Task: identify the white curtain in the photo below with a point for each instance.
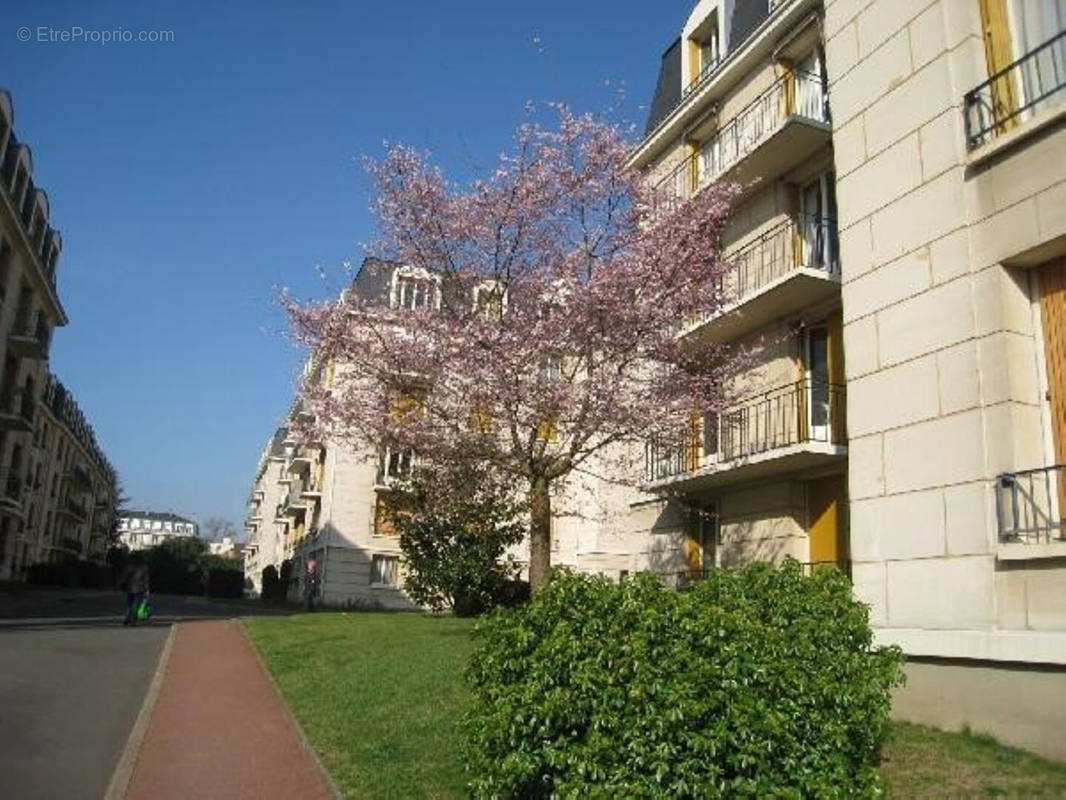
(1042, 76)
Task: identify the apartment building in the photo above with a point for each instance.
(139, 529)
(899, 252)
(57, 489)
(263, 527)
(743, 97)
(70, 488)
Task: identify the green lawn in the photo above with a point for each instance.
(924, 762)
(379, 696)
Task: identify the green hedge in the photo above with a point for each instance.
(753, 683)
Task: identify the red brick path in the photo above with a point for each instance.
(219, 730)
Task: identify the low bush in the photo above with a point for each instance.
(227, 583)
(272, 589)
(753, 683)
(456, 524)
(81, 574)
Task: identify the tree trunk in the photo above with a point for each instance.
(540, 514)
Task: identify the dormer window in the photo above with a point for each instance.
(704, 49)
(413, 293)
(490, 299)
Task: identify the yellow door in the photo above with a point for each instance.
(996, 32)
(1053, 314)
(827, 518)
(838, 429)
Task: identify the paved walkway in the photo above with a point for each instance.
(218, 728)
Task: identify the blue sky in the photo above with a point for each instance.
(191, 179)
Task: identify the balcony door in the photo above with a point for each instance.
(1052, 278)
(817, 380)
(810, 88)
(701, 540)
(818, 209)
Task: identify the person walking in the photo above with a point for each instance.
(310, 584)
(135, 582)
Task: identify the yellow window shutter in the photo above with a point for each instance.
(996, 32)
(548, 431)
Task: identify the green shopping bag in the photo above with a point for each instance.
(144, 610)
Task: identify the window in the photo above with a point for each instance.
(490, 299)
(413, 292)
(384, 570)
(395, 465)
(384, 506)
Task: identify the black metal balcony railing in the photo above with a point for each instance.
(705, 75)
(1031, 83)
(18, 403)
(1030, 505)
(800, 413)
(75, 509)
(807, 242)
(10, 485)
(799, 94)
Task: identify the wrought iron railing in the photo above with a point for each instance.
(807, 241)
(1030, 505)
(801, 94)
(10, 485)
(800, 413)
(19, 403)
(1034, 81)
(705, 75)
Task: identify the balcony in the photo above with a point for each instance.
(1020, 91)
(11, 489)
(81, 476)
(393, 467)
(793, 265)
(777, 131)
(74, 510)
(29, 337)
(300, 463)
(1030, 506)
(795, 427)
(17, 410)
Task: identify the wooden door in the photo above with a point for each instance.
(1053, 313)
(837, 426)
(827, 519)
(998, 53)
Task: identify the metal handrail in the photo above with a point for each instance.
(990, 108)
(704, 78)
(1031, 504)
(799, 93)
(799, 413)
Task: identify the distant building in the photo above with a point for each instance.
(140, 529)
(227, 547)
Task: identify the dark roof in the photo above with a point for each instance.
(747, 16)
(374, 279)
(668, 88)
(277, 444)
(162, 516)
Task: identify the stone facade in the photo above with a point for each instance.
(57, 489)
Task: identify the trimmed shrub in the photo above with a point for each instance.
(753, 683)
(271, 584)
(456, 524)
